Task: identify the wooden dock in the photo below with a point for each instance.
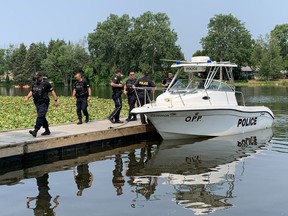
(20, 142)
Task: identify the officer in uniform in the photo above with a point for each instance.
(142, 93)
(166, 82)
(130, 92)
(82, 91)
(40, 92)
(117, 88)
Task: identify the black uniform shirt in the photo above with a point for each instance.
(81, 88)
(129, 86)
(167, 81)
(116, 80)
(144, 82)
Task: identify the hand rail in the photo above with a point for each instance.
(180, 92)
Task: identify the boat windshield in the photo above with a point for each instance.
(189, 84)
(185, 84)
(202, 73)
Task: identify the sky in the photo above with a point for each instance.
(33, 21)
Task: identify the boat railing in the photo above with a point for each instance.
(146, 93)
(150, 93)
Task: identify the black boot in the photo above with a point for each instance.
(79, 122)
(34, 132)
(46, 132)
(87, 119)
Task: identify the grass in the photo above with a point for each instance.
(280, 82)
(15, 114)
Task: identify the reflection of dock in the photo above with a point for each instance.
(59, 161)
(20, 142)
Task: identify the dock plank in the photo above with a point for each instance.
(18, 142)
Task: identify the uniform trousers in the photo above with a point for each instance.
(131, 101)
(81, 106)
(41, 120)
(117, 98)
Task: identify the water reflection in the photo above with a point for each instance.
(43, 204)
(202, 172)
(99, 91)
(83, 178)
(118, 179)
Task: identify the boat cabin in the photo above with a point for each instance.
(205, 81)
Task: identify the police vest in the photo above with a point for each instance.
(39, 93)
(81, 89)
(129, 86)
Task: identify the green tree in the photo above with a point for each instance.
(35, 55)
(3, 64)
(266, 58)
(132, 44)
(17, 64)
(280, 35)
(199, 53)
(64, 60)
(109, 45)
(152, 40)
(227, 40)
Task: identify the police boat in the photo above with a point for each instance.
(204, 103)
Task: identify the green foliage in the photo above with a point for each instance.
(280, 35)
(153, 40)
(199, 53)
(108, 45)
(2, 61)
(266, 58)
(132, 44)
(34, 56)
(63, 60)
(17, 63)
(14, 113)
(227, 40)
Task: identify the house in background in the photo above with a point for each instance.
(7, 76)
(247, 72)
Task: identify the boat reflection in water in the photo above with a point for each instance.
(202, 172)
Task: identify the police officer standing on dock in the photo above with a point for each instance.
(142, 83)
(130, 92)
(40, 92)
(82, 91)
(117, 88)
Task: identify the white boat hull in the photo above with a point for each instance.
(217, 121)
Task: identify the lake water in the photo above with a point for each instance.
(102, 91)
(238, 175)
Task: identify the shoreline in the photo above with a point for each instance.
(276, 83)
